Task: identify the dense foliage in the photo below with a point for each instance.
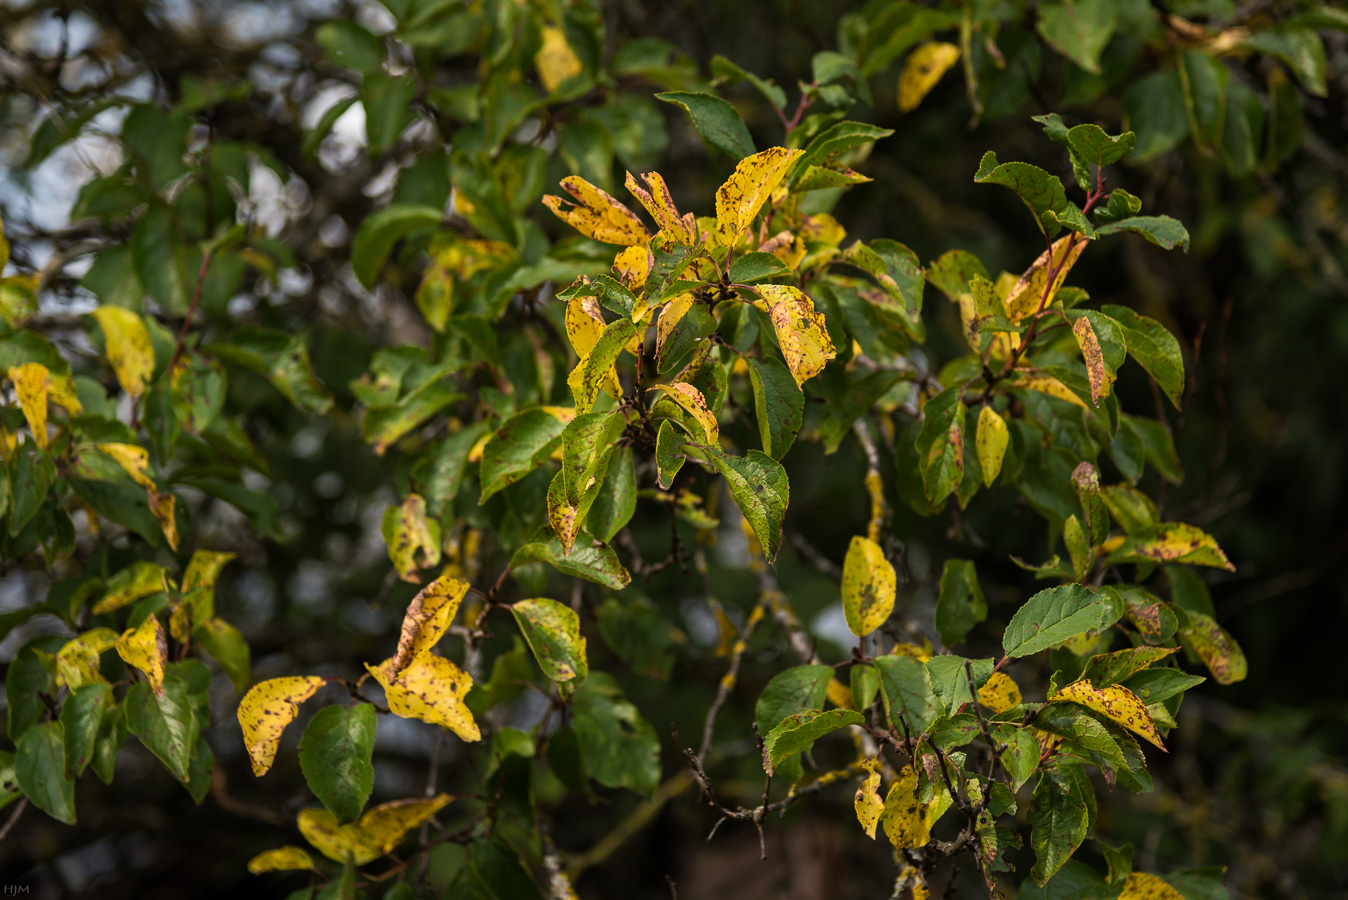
(459, 438)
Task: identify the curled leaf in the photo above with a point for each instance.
(427, 618)
(282, 859)
(146, 648)
(431, 688)
(868, 804)
(30, 387)
(660, 204)
(1116, 703)
(922, 69)
(266, 710)
(408, 531)
(597, 214)
(128, 347)
(748, 188)
(375, 834)
(806, 345)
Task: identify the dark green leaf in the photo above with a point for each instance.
(907, 692)
(668, 453)
(40, 766)
(1051, 617)
(940, 444)
(1040, 191)
(759, 487)
(521, 444)
(1058, 820)
(791, 691)
(800, 730)
(619, 747)
(166, 724)
(81, 715)
(778, 404)
(960, 605)
(716, 120)
(753, 267)
(335, 755)
(380, 230)
(1079, 29)
(588, 559)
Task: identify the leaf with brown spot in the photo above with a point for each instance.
(408, 531)
(1173, 542)
(660, 204)
(77, 660)
(922, 69)
(162, 506)
(431, 689)
(1028, 293)
(1116, 703)
(690, 399)
(1215, 646)
(1145, 886)
(140, 579)
(999, 693)
(869, 586)
(904, 818)
(991, 440)
(30, 387)
(805, 342)
(595, 369)
(1032, 380)
(1100, 377)
(133, 459)
(128, 347)
(631, 266)
(266, 710)
(146, 648)
(868, 804)
(282, 859)
(427, 618)
(748, 188)
(552, 630)
(597, 214)
(202, 571)
(375, 834)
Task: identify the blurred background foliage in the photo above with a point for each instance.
(319, 112)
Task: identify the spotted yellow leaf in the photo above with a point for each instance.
(1045, 384)
(202, 572)
(660, 204)
(693, 403)
(133, 459)
(1028, 293)
(904, 818)
(991, 440)
(409, 532)
(146, 648)
(584, 321)
(77, 660)
(631, 266)
(1116, 703)
(31, 381)
(431, 688)
(868, 586)
(922, 69)
(163, 506)
(1101, 379)
(868, 804)
(282, 859)
(999, 693)
(555, 60)
(427, 618)
(371, 836)
(597, 214)
(266, 710)
(747, 189)
(804, 341)
(670, 316)
(839, 694)
(1145, 886)
(140, 579)
(128, 347)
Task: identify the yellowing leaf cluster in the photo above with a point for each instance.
(375, 834)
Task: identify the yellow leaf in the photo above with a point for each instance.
(921, 654)
(670, 316)
(1027, 294)
(146, 648)
(282, 859)
(631, 266)
(431, 688)
(584, 324)
(1045, 384)
(839, 694)
(202, 571)
(140, 579)
(905, 819)
(922, 69)
(1144, 886)
(747, 189)
(266, 710)
(427, 618)
(693, 403)
(991, 441)
(1100, 377)
(597, 214)
(1116, 703)
(77, 660)
(999, 693)
(1216, 647)
(373, 835)
(555, 60)
(408, 531)
(1174, 542)
(162, 506)
(30, 386)
(804, 341)
(128, 347)
(660, 204)
(133, 459)
(868, 586)
(868, 803)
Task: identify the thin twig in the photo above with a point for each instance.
(191, 311)
(13, 818)
(731, 676)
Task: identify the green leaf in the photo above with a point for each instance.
(40, 766)
(9, 780)
(616, 501)
(1301, 49)
(1156, 111)
(1158, 684)
(1058, 819)
(588, 559)
(726, 70)
(26, 678)
(639, 634)
(949, 679)
(1021, 753)
(226, 644)
(522, 443)
(619, 747)
(335, 755)
(387, 101)
(1154, 348)
(760, 489)
(379, 231)
(552, 630)
(1051, 617)
(669, 456)
(1163, 231)
(1215, 646)
(111, 735)
(696, 324)
(789, 692)
(907, 691)
(351, 46)
(166, 724)
(778, 404)
(592, 372)
(896, 269)
(161, 258)
(1105, 669)
(716, 120)
(960, 605)
(81, 715)
(940, 444)
(1039, 191)
(800, 730)
(756, 266)
(839, 138)
(442, 475)
(280, 357)
(1079, 29)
